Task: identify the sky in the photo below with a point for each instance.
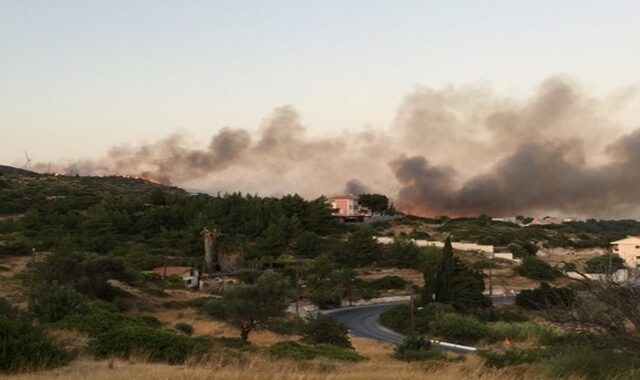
(77, 77)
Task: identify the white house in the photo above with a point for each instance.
(629, 250)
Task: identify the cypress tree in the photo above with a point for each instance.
(445, 274)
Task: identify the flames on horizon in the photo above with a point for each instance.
(457, 151)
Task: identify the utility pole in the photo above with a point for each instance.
(491, 275)
(33, 269)
(412, 315)
(610, 264)
(296, 270)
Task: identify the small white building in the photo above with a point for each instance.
(629, 250)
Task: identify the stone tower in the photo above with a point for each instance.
(209, 239)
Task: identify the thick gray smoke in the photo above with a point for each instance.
(355, 187)
(537, 176)
(456, 151)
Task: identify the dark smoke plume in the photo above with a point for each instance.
(456, 151)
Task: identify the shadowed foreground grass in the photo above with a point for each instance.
(260, 367)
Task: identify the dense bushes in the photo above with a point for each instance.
(97, 321)
(593, 364)
(604, 264)
(53, 303)
(153, 344)
(402, 253)
(321, 329)
(7, 309)
(544, 297)
(361, 247)
(184, 328)
(537, 269)
(415, 347)
(439, 321)
(325, 298)
(213, 307)
(398, 318)
(388, 282)
(24, 348)
(84, 272)
(459, 328)
(512, 357)
(564, 361)
(299, 351)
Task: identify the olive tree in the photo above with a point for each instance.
(251, 306)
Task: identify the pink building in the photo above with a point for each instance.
(347, 207)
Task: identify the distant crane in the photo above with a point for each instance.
(27, 164)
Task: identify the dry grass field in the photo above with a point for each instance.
(258, 367)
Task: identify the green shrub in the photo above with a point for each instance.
(53, 303)
(512, 357)
(604, 264)
(286, 325)
(592, 364)
(198, 302)
(175, 305)
(544, 297)
(517, 250)
(537, 269)
(155, 345)
(7, 309)
(25, 348)
(321, 329)
(213, 307)
(415, 348)
(299, 351)
(184, 327)
(459, 328)
(235, 343)
(388, 282)
(308, 244)
(150, 321)
(398, 318)
(292, 350)
(123, 303)
(248, 276)
(325, 299)
(98, 321)
(523, 331)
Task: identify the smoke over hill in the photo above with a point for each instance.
(457, 151)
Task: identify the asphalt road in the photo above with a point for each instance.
(363, 321)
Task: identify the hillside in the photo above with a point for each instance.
(14, 171)
(82, 276)
(21, 189)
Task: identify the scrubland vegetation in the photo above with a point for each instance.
(78, 300)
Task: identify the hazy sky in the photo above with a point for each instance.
(77, 77)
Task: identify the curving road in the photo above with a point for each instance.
(363, 321)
